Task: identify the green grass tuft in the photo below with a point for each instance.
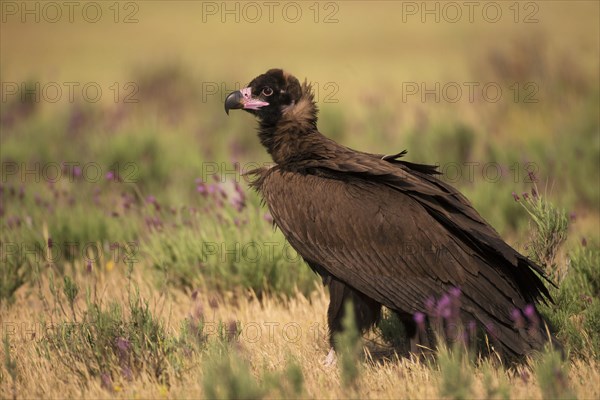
(553, 376)
(349, 348)
(456, 373)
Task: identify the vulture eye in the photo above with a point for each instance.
(267, 91)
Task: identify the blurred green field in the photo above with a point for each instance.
(180, 69)
(146, 174)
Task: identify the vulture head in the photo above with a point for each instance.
(274, 97)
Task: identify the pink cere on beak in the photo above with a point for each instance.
(249, 102)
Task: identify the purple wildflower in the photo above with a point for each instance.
(515, 196)
(239, 202)
(152, 200)
(127, 200)
(532, 316)
(472, 326)
(13, 222)
(525, 196)
(587, 299)
(110, 175)
(455, 292)
(157, 223)
(517, 317)
(222, 192)
(446, 313)
(534, 193)
(515, 314)
(443, 304)
(127, 373)
(491, 329)
(584, 242)
(419, 318)
(532, 176)
(238, 188)
(232, 330)
(529, 311)
(198, 312)
(268, 217)
(96, 196)
(123, 345)
(213, 303)
(572, 216)
(106, 381)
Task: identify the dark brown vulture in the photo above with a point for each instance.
(383, 231)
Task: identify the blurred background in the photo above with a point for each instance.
(113, 129)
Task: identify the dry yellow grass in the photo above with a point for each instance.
(274, 332)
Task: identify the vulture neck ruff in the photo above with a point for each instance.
(282, 137)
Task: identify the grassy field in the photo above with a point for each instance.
(135, 262)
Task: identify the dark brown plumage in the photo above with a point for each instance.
(381, 230)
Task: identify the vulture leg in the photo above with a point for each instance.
(419, 340)
(366, 310)
(413, 336)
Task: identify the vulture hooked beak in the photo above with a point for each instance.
(243, 99)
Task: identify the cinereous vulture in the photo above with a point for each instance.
(383, 231)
